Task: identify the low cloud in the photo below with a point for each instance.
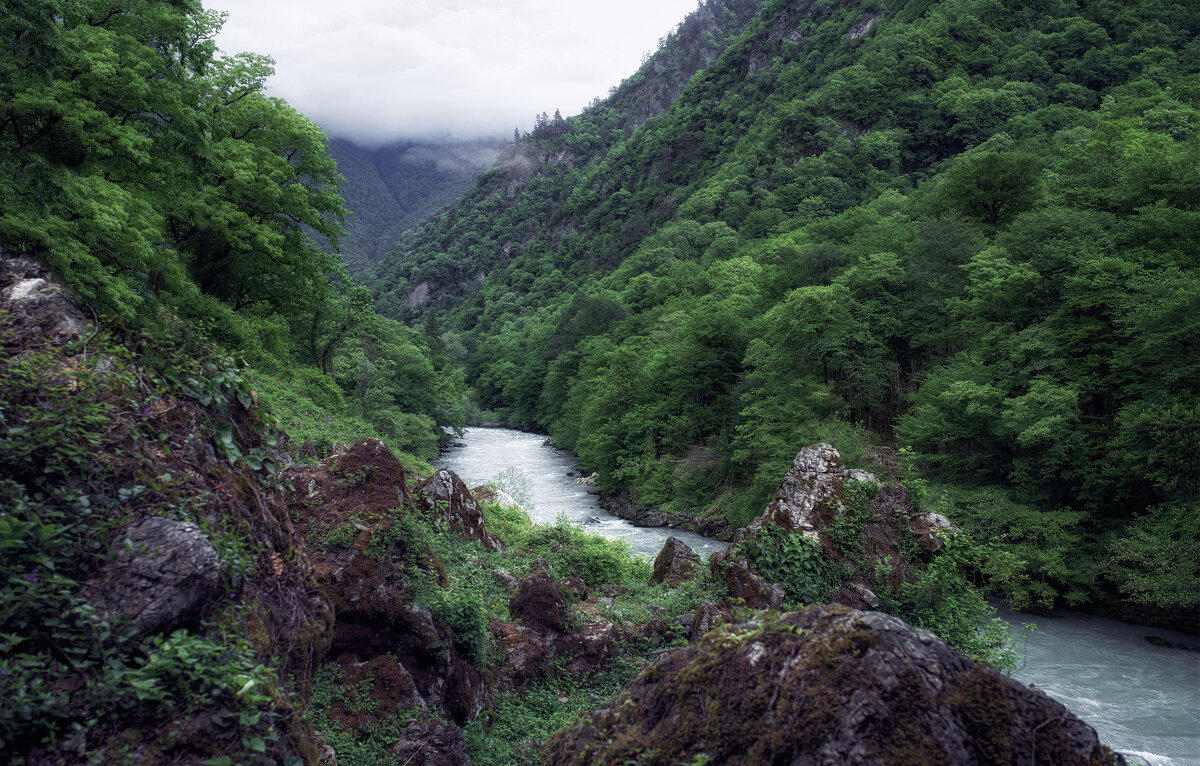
(376, 70)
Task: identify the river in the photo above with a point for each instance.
(1142, 699)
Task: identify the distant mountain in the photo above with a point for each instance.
(392, 188)
(440, 262)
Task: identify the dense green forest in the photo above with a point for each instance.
(966, 228)
(152, 174)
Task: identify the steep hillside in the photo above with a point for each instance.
(444, 260)
(962, 226)
(392, 188)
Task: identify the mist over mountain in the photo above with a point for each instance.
(391, 188)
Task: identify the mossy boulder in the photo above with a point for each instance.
(823, 687)
(674, 564)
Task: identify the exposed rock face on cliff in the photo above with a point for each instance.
(38, 304)
(829, 686)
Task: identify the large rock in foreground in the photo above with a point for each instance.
(829, 686)
(165, 574)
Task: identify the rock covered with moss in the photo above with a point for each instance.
(829, 686)
(448, 496)
(366, 535)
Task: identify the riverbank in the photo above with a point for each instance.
(621, 504)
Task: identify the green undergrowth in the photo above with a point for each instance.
(465, 592)
(515, 731)
(85, 430)
(468, 597)
(311, 410)
(369, 745)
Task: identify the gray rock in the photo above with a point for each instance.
(165, 575)
(829, 686)
(706, 617)
(495, 497)
(38, 306)
(447, 496)
(507, 579)
(926, 528)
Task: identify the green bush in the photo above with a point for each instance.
(462, 609)
(943, 600)
(796, 563)
(321, 389)
(594, 559)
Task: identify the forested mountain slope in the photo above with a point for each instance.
(444, 260)
(391, 188)
(965, 226)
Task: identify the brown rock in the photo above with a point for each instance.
(587, 649)
(539, 603)
(674, 563)
(431, 743)
(743, 583)
(706, 617)
(829, 686)
(523, 649)
(363, 480)
(928, 527)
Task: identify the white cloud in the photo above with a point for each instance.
(373, 70)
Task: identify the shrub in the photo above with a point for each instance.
(462, 610)
(796, 563)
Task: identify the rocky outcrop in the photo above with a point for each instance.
(165, 575)
(359, 496)
(928, 528)
(448, 498)
(674, 564)
(431, 743)
(829, 686)
(360, 479)
(169, 537)
(38, 306)
(810, 495)
(863, 535)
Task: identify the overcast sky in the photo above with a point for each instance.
(375, 70)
